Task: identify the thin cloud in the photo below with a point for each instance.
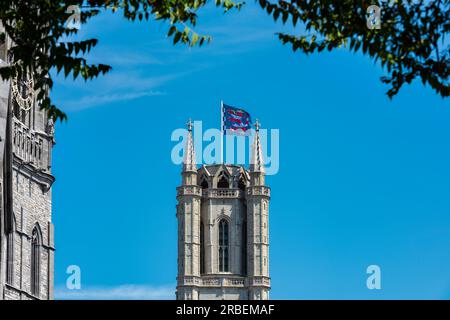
(144, 72)
(91, 101)
(122, 58)
(125, 80)
(123, 292)
(118, 86)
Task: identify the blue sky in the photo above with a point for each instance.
(363, 180)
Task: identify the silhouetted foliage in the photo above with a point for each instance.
(39, 33)
(410, 43)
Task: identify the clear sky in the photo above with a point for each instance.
(363, 180)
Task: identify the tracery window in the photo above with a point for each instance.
(223, 246)
(35, 261)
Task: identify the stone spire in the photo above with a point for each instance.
(189, 164)
(257, 161)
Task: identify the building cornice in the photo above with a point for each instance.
(223, 281)
(22, 292)
(189, 190)
(261, 191)
(38, 175)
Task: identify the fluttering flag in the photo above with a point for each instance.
(235, 120)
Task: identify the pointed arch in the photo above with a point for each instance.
(223, 181)
(35, 265)
(204, 182)
(244, 248)
(202, 248)
(10, 253)
(242, 184)
(224, 248)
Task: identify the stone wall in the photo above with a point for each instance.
(32, 143)
(32, 208)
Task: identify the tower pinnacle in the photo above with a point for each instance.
(257, 125)
(257, 161)
(189, 164)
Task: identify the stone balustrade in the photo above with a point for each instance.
(223, 193)
(189, 191)
(258, 191)
(214, 281)
(260, 281)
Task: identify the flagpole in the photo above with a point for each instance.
(221, 131)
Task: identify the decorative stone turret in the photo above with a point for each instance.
(258, 197)
(188, 215)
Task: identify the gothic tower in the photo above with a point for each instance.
(223, 229)
(26, 229)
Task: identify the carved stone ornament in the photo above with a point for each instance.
(23, 92)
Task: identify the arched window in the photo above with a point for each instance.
(223, 182)
(202, 248)
(244, 248)
(242, 183)
(35, 261)
(223, 246)
(10, 258)
(204, 184)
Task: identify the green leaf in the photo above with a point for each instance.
(177, 37)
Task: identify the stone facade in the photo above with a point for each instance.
(26, 233)
(223, 230)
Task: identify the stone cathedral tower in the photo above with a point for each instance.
(26, 229)
(223, 229)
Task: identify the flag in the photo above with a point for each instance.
(235, 120)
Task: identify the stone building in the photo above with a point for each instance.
(223, 229)
(26, 230)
